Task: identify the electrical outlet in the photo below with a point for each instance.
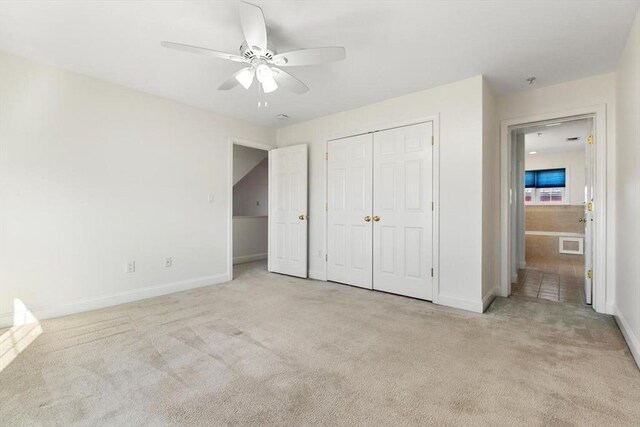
(168, 262)
(212, 198)
(131, 267)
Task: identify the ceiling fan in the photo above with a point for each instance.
(263, 59)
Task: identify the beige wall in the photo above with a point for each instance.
(93, 175)
(251, 193)
(627, 192)
(250, 238)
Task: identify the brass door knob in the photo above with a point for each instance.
(376, 218)
(367, 218)
(301, 217)
(582, 220)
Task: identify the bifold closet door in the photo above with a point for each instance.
(288, 210)
(349, 238)
(402, 209)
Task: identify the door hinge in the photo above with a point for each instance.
(590, 274)
(432, 140)
(326, 257)
(590, 139)
(326, 156)
(432, 272)
(433, 206)
(326, 206)
(590, 207)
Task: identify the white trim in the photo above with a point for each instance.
(435, 128)
(57, 310)
(598, 113)
(231, 141)
(475, 305)
(248, 258)
(632, 341)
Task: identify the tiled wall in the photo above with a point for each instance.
(556, 218)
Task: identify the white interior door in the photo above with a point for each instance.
(402, 209)
(349, 237)
(588, 216)
(288, 210)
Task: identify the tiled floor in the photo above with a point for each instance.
(553, 280)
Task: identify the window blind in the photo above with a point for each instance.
(547, 178)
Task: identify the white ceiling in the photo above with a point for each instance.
(553, 139)
(393, 47)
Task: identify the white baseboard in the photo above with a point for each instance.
(523, 265)
(489, 297)
(477, 306)
(249, 258)
(632, 340)
(58, 310)
(514, 278)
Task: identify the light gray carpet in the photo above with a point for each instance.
(274, 350)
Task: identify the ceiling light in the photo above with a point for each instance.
(533, 152)
(245, 77)
(553, 124)
(265, 76)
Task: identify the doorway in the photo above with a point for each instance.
(552, 230)
(249, 204)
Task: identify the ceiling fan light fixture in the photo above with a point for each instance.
(264, 73)
(245, 77)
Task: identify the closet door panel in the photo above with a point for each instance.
(402, 196)
(349, 237)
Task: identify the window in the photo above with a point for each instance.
(545, 186)
(550, 195)
(529, 195)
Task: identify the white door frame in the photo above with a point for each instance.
(435, 120)
(230, 143)
(598, 113)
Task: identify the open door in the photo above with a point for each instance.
(589, 216)
(288, 210)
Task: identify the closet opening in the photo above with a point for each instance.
(250, 207)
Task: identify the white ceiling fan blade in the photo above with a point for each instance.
(313, 56)
(203, 51)
(289, 82)
(253, 26)
(233, 81)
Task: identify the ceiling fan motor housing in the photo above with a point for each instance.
(252, 54)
